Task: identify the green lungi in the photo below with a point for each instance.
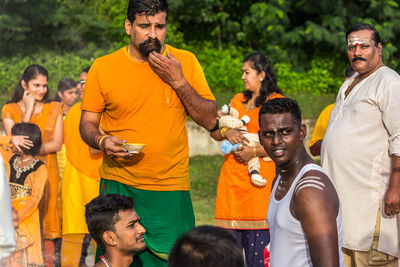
(164, 214)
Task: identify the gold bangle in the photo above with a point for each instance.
(255, 151)
(223, 130)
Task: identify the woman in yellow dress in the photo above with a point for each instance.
(30, 103)
(27, 180)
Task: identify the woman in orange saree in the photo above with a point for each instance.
(241, 206)
(30, 104)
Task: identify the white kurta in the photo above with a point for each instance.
(363, 131)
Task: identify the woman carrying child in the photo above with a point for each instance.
(241, 205)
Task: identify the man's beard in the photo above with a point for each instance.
(150, 45)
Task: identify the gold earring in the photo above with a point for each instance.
(261, 79)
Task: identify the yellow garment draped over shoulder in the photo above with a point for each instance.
(321, 125)
(81, 179)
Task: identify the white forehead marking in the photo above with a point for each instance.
(355, 39)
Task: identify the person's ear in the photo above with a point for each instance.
(303, 132)
(60, 95)
(24, 85)
(261, 75)
(109, 238)
(380, 49)
(128, 27)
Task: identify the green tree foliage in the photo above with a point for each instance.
(304, 39)
(289, 30)
(29, 26)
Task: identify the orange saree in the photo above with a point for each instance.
(46, 120)
(240, 204)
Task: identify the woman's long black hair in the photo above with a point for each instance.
(31, 72)
(269, 85)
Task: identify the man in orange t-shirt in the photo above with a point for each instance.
(143, 94)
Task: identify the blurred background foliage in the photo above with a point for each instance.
(304, 39)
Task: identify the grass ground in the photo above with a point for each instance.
(204, 173)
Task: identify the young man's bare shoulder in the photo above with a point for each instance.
(314, 192)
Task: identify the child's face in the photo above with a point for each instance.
(69, 97)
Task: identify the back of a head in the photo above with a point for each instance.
(280, 106)
(101, 214)
(206, 246)
(34, 134)
(146, 7)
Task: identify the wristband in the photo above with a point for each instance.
(100, 140)
(216, 127)
(97, 139)
(223, 130)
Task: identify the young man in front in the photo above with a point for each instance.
(304, 212)
(115, 226)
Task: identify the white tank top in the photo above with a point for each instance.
(288, 246)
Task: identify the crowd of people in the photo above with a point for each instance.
(72, 177)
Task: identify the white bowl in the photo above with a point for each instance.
(133, 148)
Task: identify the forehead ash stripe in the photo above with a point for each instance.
(356, 40)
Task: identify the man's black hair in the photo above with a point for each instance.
(101, 214)
(206, 246)
(34, 134)
(363, 26)
(86, 69)
(146, 7)
(280, 106)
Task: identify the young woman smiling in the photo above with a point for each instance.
(30, 103)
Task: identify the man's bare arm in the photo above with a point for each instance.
(316, 207)
(89, 129)
(392, 195)
(169, 69)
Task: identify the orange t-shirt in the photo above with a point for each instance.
(139, 107)
(78, 151)
(240, 204)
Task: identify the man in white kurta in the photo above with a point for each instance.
(361, 145)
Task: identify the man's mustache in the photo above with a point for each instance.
(358, 58)
(152, 41)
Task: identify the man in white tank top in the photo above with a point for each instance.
(304, 212)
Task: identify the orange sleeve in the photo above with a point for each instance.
(236, 100)
(199, 81)
(8, 112)
(93, 99)
(5, 140)
(38, 181)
